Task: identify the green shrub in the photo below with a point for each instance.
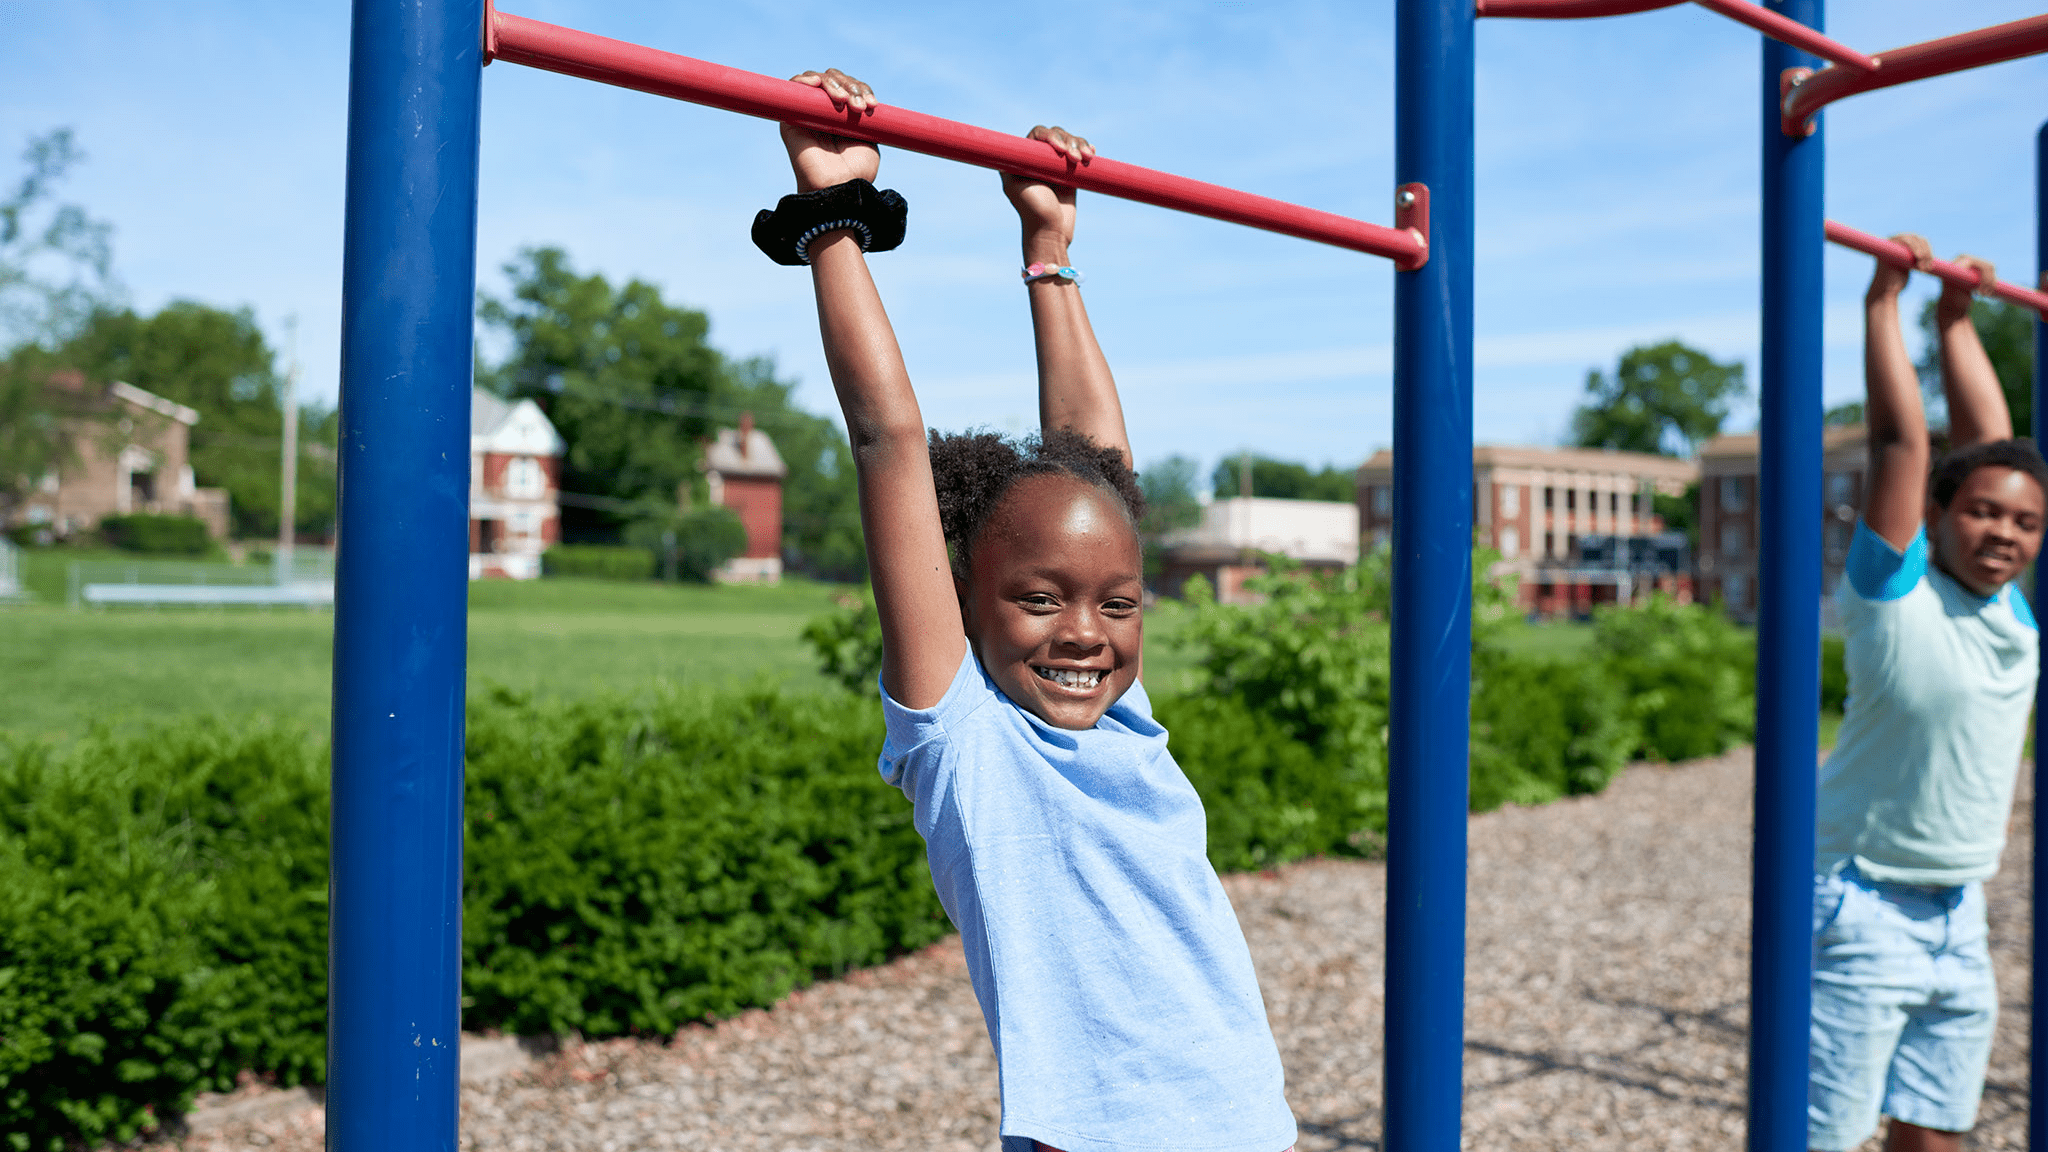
(1834, 674)
(1544, 728)
(162, 926)
(633, 866)
(157, 535)
(692, 545)
(1687, 674)
(1269, 797)
(598, 561)
(848, 642)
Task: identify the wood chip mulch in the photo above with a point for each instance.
(1606, 1008)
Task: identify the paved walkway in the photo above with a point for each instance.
(1606, 1009)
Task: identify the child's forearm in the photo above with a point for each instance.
(1892, 409)
(1075, 388)
(860, 347)
(1894, 501)
(1977, 411)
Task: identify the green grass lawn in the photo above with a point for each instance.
(65, 669)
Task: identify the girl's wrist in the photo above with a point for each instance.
(1045, 249)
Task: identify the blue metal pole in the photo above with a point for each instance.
(2037, 1025)
(408, 288)
(1429, 761)
(1788, 619)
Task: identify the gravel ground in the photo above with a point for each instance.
(1606, 1008)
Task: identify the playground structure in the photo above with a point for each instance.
(408, 291)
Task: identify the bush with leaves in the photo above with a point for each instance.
(1686, 673)
(635, 865)
(848, 642)
(163, 925)
(157, 535)
(598, 561)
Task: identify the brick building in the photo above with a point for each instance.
(1576, 526)
(1728, 513)
(515, 475)
(130, 452)
(744, 472)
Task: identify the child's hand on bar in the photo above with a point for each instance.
(820, 159)
(1047, 210)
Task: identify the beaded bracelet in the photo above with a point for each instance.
(1033, 273)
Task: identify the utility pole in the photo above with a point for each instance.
(288, 466)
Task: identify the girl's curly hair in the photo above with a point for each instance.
(974, 470)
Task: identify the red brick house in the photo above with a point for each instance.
(130, 452)
(515, 475)
(744, 472)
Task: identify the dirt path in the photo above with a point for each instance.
(1606, 1006)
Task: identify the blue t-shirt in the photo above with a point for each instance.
(1110, 968)
(1919, 785)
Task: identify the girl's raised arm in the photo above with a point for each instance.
(1893, 504)
(1075, 389)
(1977, 412)
(923, 642)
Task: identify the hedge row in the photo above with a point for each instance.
(631, 865)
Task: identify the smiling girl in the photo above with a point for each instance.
(1941, 655)
(1063, 840)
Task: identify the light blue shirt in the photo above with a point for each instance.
(1919, 786)
(1111, 971)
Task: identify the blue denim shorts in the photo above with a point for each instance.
(1903, 1007)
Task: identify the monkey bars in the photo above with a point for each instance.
(1897, 254)
(518, 40)
(1813, 91)
(408, 300)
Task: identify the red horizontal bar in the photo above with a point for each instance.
(1568, 9)
(1991, 45)
(572, 53)
(1898, 255)
(1780, 28)
(1786, 30)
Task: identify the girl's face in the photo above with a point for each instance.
(1990, 531)
(1054, 600)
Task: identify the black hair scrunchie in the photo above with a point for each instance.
(876, 215)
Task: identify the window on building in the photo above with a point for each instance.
(1614, 503)
(1571, 499)
(1550, 543)
(524, 479)
(1511, 500)
(1734, 494)
(1735, 590)
(1382, 500)
(1549, 498)
(1733, 539)
(1510, 543)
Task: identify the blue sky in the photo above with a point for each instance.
(1617, 187)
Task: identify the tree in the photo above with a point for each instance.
(2007, 332)
(218, 362)
(54, 258)
(54, 262)
(1283, 479)
(635, 388)
(1663, 398)
(1170, 503)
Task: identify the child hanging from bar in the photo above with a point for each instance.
(1915, 798)
(1064, 842)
